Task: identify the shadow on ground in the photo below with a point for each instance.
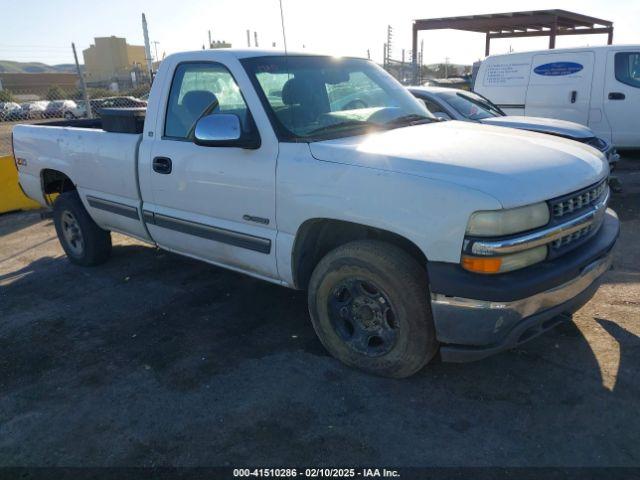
(154, 359)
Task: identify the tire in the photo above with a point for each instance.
(84, 242)
(369, 306)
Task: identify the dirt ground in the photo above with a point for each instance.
(154, 359)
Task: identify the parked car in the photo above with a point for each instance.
(116, 102)
(59, 108)
(32, 110)
(79, 111)
(410, 235)
(594, 86)
(455, 104)
(8, 111)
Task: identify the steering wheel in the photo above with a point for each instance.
(355, 104)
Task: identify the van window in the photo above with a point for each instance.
(200, 89)
(628, 68)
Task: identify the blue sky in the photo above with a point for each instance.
(43, 30)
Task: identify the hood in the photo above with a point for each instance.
(542, 125)
(515, 167)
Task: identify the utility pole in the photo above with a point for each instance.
(389, 42)
(210, 43)
(420, 60)
(155, 46)
(446, 67)
(402, 77)
(255, 39)
(248, 39)
(384, 56)
(83, 86)
(147, 48)
(368, 54)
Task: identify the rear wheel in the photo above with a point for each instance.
(84, 242)
(369, 305)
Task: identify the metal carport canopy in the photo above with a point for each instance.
(534, 23)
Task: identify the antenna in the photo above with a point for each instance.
(284, 36)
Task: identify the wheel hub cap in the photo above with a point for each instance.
(72, 233)
(363, 317)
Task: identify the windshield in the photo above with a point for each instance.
(471, 105)
(315, 98)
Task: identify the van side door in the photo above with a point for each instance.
(560, 86)
(622, 97)
(215, 203)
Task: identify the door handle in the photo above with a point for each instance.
(162, 165)
(617, 96)
(574, 96)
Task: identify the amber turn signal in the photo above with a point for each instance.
(482, 264)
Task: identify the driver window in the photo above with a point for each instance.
(200, 89)
(627, 66)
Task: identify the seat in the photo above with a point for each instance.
(194, 104)
(302, 101)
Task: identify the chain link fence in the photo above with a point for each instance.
(31, 98)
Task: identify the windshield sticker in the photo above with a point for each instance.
(558, 69)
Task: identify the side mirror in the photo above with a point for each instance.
(223, 130)
(443, 116)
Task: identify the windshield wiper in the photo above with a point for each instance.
(408, 120)
(347, 124)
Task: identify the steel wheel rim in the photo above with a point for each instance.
(362, 316)
(72, 233)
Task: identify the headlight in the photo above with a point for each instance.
(504, 263)
(497, 223)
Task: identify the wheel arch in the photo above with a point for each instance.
(55, 182)
(318, 236)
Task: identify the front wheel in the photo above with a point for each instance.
(369, 305)
(84, 242)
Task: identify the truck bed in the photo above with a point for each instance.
(116, 120)
(93, 159)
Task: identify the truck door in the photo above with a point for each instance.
(213, 203)
(622, 97)
(560, 86)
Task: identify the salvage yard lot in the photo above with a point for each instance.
(155, 359)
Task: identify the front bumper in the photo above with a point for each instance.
(506, 310)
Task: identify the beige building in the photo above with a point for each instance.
(112, 59)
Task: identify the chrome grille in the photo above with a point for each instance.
(566, 240)
(579, 200)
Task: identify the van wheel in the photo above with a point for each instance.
(369, 305)
(84, 242)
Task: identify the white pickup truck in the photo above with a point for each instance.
(320, 173)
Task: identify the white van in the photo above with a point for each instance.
(596, 86)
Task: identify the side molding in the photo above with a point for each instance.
(114, 207)
(230, 237)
